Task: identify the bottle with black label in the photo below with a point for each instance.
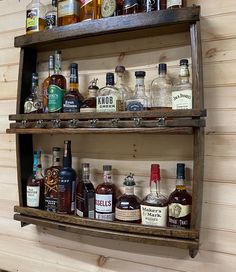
(132, 6)
(35, 13)
(66, 183)
(73, 98)
(51, 15)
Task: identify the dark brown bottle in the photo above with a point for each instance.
(89, 104)
(149, 5)
(132, 6)
(170, 4)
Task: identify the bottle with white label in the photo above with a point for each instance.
(154, 206)
(171, 4)
(182, 91)
(105, 197)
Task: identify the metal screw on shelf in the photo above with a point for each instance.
(73, 123)
(93, 123)
(23, 124)
(39, 124)
(114, 122)
(56, 123)
(161, 122)
(138, 122)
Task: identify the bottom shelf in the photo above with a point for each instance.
(185, 239)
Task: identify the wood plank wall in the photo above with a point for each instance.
(37, 249)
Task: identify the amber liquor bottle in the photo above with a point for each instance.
(73, 99)
(89, 104)
(180, 202)
(51, 181)
(68, 12)
(170, 4)
(66, 183)
(105, 197)
(89, 10)
(35, 12)
(85, 195)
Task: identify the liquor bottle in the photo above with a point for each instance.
(85, 196)
(105, 197)
(111, 8)
(35, 184)
(154, 5)
(33, 103)
(132, 6)
(45, 84)
(170, 4)
(51, 15)
(51, 181)
(57, 86)
(139, 101)
(35, 12)
(128, 205)
(154, 207)
(120, 85)
(161, 90)
(182, 91)
(88, 10)
(179, 202)
(73, 99)
(89, 104)
(109, 98)
(68, 12)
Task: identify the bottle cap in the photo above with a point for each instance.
(54, 3)
(183, 62)
(180, 171)
(140, 74)
(162, 68)
(57, 52)
(120, 69)
(74, 66)
(85, 165)
(129, 180)
(35, 78)
(107, 167)
(56, 149)
(93, 85)
(110, 79)
(155, 173)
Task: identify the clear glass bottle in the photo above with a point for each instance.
(128, 204)
(154, 207)
(68, 12)
(139, 101)
(35, 12)
(51, 15)
(182, 92)
(89, 10)
(109, 98)
(89, 104)
(161, 90)
(34, 102)
(120, 85)
(180, 202)
(85, 195)
(171, 4)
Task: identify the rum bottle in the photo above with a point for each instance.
(66, 183)
(170, 4)
(35, 12)
(89, 104)
(68, 12)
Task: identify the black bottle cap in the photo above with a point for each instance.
(162, 68)
(140, 74)
(180, 171)
(110, 79)
(120, 69)
(129, 180)
(54, 3)
(183, 62)
(107, 167)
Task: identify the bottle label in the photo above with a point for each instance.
(87, 109)
(130, 4)
(33, 193)
(171, 3)
(154, 216)
(108, 8)
(105, 216)
(135, 106)
(178, 210)
(182, 99)
(150, 5)
(104, 203)
(127, 215)
(31, 106)
(66, 195)
(32, 20)
(51, 20)
(71, 105)
(80, 204)
(68, 7)
(109, 103)
(55, 98)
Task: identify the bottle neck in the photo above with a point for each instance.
(155, 187)
(184, 74)
(92, 92)
(180, 184)
(67, 160)
(129, 190)
(35, 164)
(57, 64)
(162, 74)
(107, 176)
(139, 81)
(39, 172)
(56, 159)
(119, 79)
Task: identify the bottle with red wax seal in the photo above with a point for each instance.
(154, 206)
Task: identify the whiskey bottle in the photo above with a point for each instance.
(33, 103)
(73, 99)
(68, 12)
(51, 181)
(120, 85)
(182, 91)
(85, 196)
(51, 15)
(45, 84)
(154, 5)
(66, 183)
(89, 10)
(89, 104)
(128, 205)
(161, 90)
(170, 4)
(105, 197)
(35, 12)
(111, 8)
(154, 206)
(179, 202)
(132, 6)
(57, 86)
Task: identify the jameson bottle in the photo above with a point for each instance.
(57, 86)
(51, 181)
(66, 183)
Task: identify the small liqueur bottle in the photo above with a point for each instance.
(161, 90)
(154, 5)
(66, 183)
(89, 104)
(109, 98)
(139, 101)
(105, 197)
(57, 86)
(51, 181)
(154, 206)
(72, 98)
(111, 8)
(68, 12)
(35, 12)
(35, 184)
(51, 15)
(128, 205)
(179, 203)
(88, 10)
(170, 4)
(45, 84)
(120, 85)
(182, 91)
(132, 6)
(85, 196)
(33, 103)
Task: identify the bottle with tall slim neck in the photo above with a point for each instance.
(66, 183)
(180, 202)
(57, 86)
(154, 207)
(35, 12)
(73, 99)
(170, 4)
(51, 15)
(89, 104)
(51, 181)
(68, 12)
(85, 195)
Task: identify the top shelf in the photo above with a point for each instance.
(111, 29)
